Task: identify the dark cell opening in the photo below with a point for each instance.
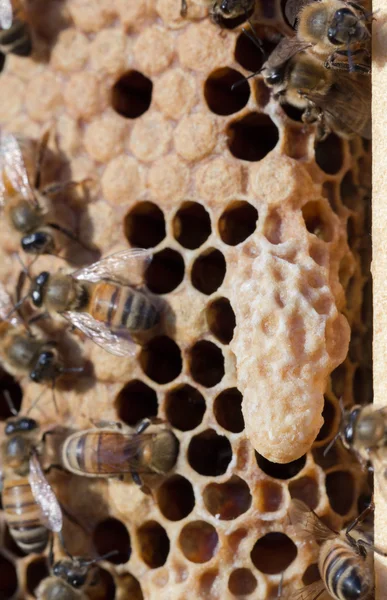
(247, 51)
(8, 578)
(165, 272)
(280, 471)
(221, 319)
(191, 225)
(270, 497)
(229, 500)
(252, 137)
(237, 222)
(242, 582)
(338, 380)
(144, 225)
(349, 191)
(10, 385)
(209, 453)
(175, 498)
(305, 489)
(185, 407)
(329, 416)
(207, 582)
(206, 363)
(262, 93)
(132, 95)
(295, 114)
(228, 410)
(226, 23)
(111, 535)
(198, 541)
(273, 553)
(208, 271)
(316, 220)
(219, 95)
(36, 571)
(340, 488)
(154, 544)
(329, 154)
(311, 574)
(105, 586)
(160, 359)
(136, 401)
(130, 587)
(362, 385)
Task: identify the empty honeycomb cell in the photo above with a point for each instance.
(229, 500)
(273, 227)
(154, 49)
(270, 496)
(111, 535)
(191, 225)
(228, 410)
(198, 541)
(160, 359)
(105, 588)
(8, 578)
(247, 54)
(330, 417)
(349, 191)
(208, 271)
(318, 253)
(175, 498)
(10, 385)
(144, 225)
(252, 137)
(262, 93)
(329, 154)
(136, 401)
(153, 544)
(294, 113)
(195, 136)
(37, 570)
(317, 220)
(206, 363)
(131, 95)
(273, 553)
(129, 587)
(362, 385)
(237, 222)
(340, 486)
(338, 377)
(207, 583)
(209, 453)
(184, 407)
(166, 271)
(242, 582)
(280, 471)
(221, 319)
(305, 489)
(221, 98)
(311, 574)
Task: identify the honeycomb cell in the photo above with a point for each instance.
(106, 586)
(83, 95)
(317, 220)
(195, 136)
(191, 225)
(103, 138)
(305, 489)
(349, 191)
(209, 454)
(228, 410)
(229, 500)
(295, 114)
(160, 359)
(221, 97)
(130, 587)
(198, 541)
(208, 271)
(111, 535)
(247, 52)
(184, 407)
(121, 180)
(280, 471)
(242, 582)
(340, 487)
(166, 271)
(37, 570)
(168, 180)
(151, 136)
(206, 363)
(252, 137)
(153, 544)
(136, 401)
(338, 377)
(175, 498)
(329, 154)
(175, 93)
(362, 386)
(10, 385)
(221, 319)
(144, 225)
(109, 52)
(207, 583)
(273, 227)
(8, 578)
(217, 179)
(154, 49)
(237, 222)
(270, 496)
(131, 95)
(262, 93)
(311, 574)
(199, 49)
(329, 415)
(71, 51)
(273, 553)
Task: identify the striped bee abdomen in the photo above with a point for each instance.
(23, 516)
(345, 573)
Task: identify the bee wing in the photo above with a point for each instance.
(6, 306)
(126, 267)
(6, 14)
(44, 496)
(284, 51)
(311, 592)
(308, 524)
(116, 342)
(14, 166)
(293, 8)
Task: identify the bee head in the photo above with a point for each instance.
(38, 287)
(274, 76)
(20, 425)
(38, 242)
(74, 572)
(44, 367)
(349, 424)
(346, 27)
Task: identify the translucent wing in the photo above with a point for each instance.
(6, 306)
(13, 153)
(284, 51)
(311, 592)
(126, 267)
(6, 14)
(292, 9)
(118, 342)
(308, 524)
(44, 496)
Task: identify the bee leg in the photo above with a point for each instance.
(359, 519)
(103, 424)
(183, 10)
(40, 158)
(279, 593)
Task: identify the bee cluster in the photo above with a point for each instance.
(127, 465)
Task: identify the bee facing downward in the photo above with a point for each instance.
(15, 35)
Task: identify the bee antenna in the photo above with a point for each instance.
(331, 443)
(8, 400)
(103, 557)
(35, 402)
(238, 83)
(24, 267)
(62, 542)
(16, 307)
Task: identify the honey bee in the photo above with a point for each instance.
(345, 559)
(225, 9)
(340, 102)
(109, 452)
(336, 31)
(27, 207)
(101, 301)
(15, 34)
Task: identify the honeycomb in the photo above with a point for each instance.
(261, 253)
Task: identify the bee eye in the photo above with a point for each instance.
(274, 79)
